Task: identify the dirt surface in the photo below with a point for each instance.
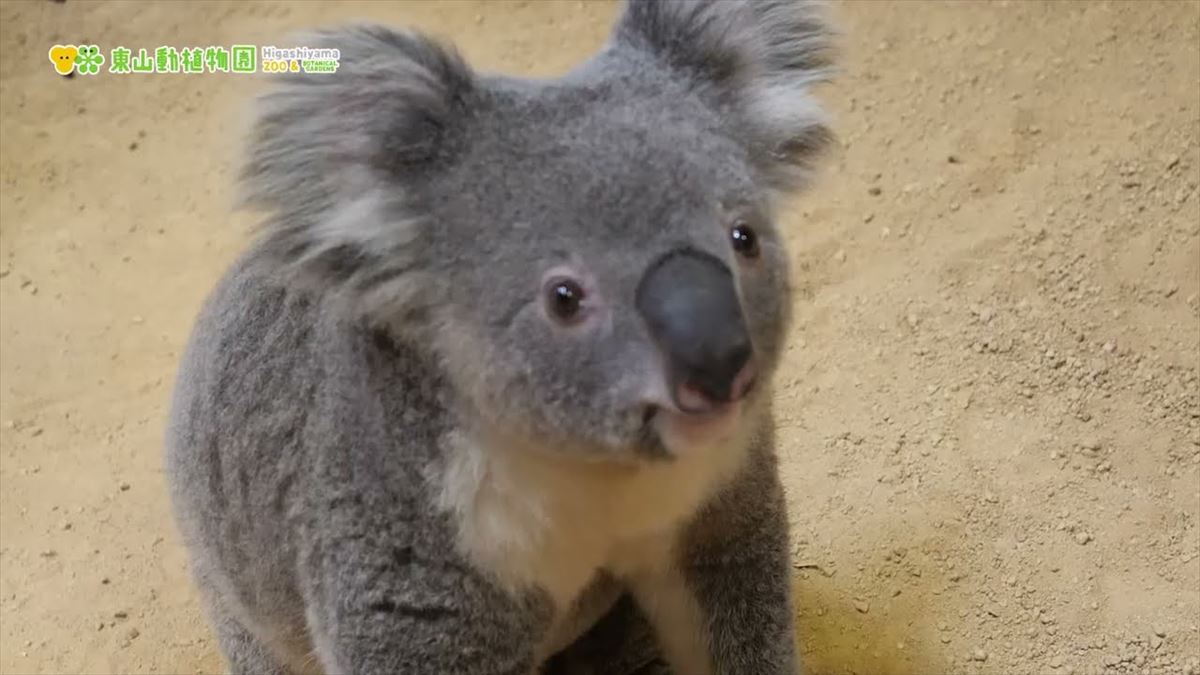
(990, 418)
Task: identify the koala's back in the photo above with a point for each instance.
(271, 377)
(234, 442)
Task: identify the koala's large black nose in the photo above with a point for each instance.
(691, 307)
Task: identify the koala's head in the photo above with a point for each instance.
(592, 259)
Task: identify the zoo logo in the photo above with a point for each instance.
(87, 60)
(167, 59)
(299, 59)
(68, 59)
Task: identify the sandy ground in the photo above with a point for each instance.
(990, 418)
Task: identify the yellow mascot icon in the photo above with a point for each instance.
(63, 58)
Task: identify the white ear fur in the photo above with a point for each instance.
(328, 155)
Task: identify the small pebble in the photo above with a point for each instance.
(862, 606)
(979, 655)
(1082, 538)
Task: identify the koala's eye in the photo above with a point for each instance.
(563, 299)
(744, 240)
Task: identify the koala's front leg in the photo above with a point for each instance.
(727, 610)
(382, 609)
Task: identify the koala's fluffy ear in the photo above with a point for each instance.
(329, 153)
(756, 60)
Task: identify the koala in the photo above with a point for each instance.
(489, 392)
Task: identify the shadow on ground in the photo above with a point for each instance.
(841, 633)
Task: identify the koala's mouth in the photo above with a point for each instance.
(676, 430)
(699, 401)
(691, 417)
(696, 404)
(683, 433)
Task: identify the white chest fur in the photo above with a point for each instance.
(537, 519)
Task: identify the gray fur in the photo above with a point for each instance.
(411, 209)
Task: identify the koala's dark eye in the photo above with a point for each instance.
(563, 299)
(744, 239)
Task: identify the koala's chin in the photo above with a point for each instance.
(729, 428)
(683, 434)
